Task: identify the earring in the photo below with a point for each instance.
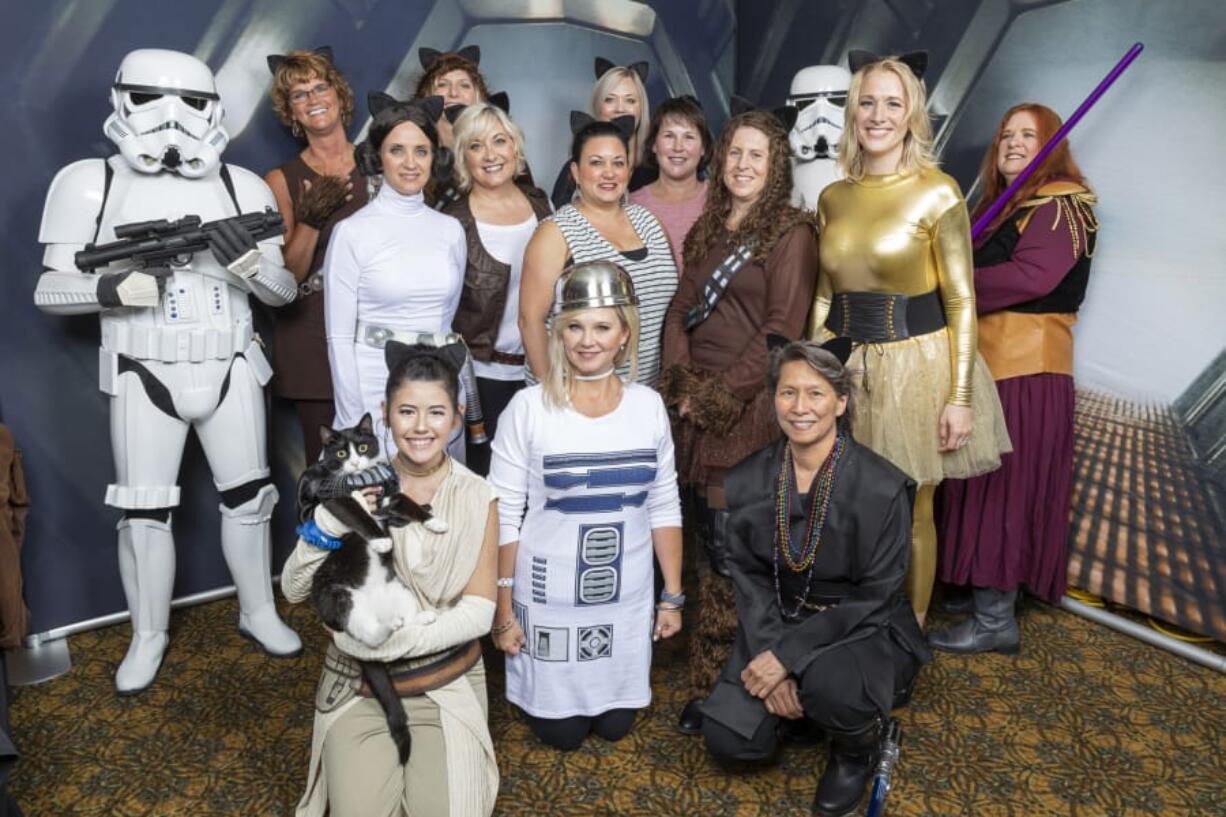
(295, 127)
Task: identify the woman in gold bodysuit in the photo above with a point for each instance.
(896, 276)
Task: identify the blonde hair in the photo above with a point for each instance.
(642, 127)
(475, 123)
(557, 384)
(917, 152)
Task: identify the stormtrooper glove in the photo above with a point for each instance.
(131, 288)
(234, 248)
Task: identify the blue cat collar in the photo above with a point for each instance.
(312, 534)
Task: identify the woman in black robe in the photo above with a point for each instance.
(825, 631)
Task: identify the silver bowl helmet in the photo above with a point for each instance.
(167, 115)
(592, 285)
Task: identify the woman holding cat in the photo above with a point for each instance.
(583, 466)
(436, 667)
(395, 269)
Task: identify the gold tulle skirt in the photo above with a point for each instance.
(902, 388)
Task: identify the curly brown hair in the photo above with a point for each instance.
(303, 66)
(771, 216)
(446, 64)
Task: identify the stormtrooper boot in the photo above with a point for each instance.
(248, 550)
(147, 569)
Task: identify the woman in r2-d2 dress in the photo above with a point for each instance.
(590, 458)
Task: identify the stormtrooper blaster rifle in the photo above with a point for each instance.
(154, 247)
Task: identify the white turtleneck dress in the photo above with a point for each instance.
(398, 264)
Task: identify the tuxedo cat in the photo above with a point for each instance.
(356, 589)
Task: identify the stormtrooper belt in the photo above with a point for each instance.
(881, 317)
(376, 335)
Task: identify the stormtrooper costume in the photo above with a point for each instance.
(819, 93)
(178, 350)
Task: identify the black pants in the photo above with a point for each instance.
(567, 734)
(311, 415)
(494, 394)
(832, 694)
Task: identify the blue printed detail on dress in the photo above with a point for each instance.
(538, 581)
(595, 642)
(551, 643)
(576, 480)
(598, 564)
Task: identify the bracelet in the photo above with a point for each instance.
(677, 608)
(673, 598)
(312, 534)
(502, 628)
(505, 581)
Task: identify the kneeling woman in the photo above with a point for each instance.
(819, 537)
(452, 770)
(591, 459)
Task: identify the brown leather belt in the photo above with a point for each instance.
(506, 359)
(415, 677)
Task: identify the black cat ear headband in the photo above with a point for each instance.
(839, 347)
(453, 354)
(499, 100)
(785, 115)
(580, 120)
(275, 61)
(428, 56)
(378, 101)
(917, 61)
(641, 68)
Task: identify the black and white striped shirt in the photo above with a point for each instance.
(654, 274)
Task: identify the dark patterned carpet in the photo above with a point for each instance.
(1084, 722)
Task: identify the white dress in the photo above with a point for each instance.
(593, 489)
(398, 264)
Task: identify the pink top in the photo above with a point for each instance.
(677, 217)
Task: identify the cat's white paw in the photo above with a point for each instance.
(381, 545)
(371, 636)
(435, 525)
(425, 617)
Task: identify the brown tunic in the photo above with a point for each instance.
(763, 299)
(300, 347)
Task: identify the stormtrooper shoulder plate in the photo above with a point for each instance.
(73, 203)
(252, 191)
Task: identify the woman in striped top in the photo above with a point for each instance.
(599, 227)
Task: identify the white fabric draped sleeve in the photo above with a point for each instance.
(510, 467)
(342, 270)
(299, 571)
(663, 498)
(459, 261)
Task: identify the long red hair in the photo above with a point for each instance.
(1059, 164)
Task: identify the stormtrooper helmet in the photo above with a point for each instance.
(167, 113)
(819, 94)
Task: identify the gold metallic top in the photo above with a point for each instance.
(904, 234)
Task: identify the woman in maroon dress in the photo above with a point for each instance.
(1010, 527)
(314, 190)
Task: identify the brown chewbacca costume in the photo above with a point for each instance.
(715, 375)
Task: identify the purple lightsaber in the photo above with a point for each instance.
(983, 221)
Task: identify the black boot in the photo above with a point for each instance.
(690, 722)
(991, 628)
(853, 757)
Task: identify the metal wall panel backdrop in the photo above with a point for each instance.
(59, 59)
(1149, 515)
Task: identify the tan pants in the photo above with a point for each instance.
(364, 776)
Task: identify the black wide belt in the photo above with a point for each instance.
(881, 317)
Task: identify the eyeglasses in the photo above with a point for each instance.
(298, 97)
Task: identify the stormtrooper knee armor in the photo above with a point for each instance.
(819, 93)
(178, 349)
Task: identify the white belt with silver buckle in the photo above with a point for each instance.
(376, 335)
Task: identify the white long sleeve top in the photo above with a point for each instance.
(395, 263)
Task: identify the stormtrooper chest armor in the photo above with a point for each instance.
(203, 313)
